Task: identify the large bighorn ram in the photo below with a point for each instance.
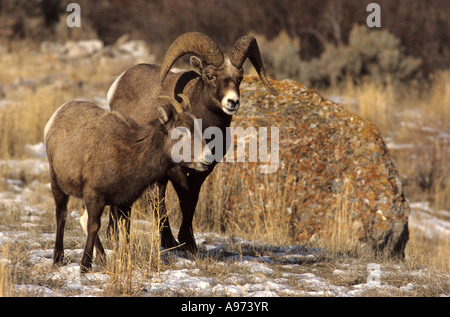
(213, 91)
(106, 158)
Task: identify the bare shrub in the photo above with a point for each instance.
(377, 55)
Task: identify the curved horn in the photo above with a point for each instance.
(245, 47)
(192, 42)
(173, 102)
(186, 101)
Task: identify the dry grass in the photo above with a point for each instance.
(127, 266)
(35, 85)
(5, 273)
(260, 216)
(340, 232)
(139, 260)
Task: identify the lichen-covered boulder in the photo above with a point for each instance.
(334, 170)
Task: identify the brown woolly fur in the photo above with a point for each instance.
(106, 158)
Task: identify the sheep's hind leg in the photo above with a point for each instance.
(94, 208)
(117, 217)
(83, 221)
(125, 221)
(61, 200)
(112, 232)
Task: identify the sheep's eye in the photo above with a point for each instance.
(210, 77)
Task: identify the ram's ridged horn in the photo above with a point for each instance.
(192, 42)
(187, 103)
(245, 47)
(173, 102)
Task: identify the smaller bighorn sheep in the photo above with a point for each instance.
(106, 158)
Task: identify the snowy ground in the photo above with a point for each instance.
(226, 266)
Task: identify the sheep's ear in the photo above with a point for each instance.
(197, 64)
(164, 115)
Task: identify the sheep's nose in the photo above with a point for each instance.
(208, 156)
(233, 104)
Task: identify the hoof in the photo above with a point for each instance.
(59, 260)
(190, 248)
(169, 243)
(85, 268)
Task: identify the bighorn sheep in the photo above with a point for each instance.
(213, 91)
(106, 158)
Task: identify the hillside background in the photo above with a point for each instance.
(310, 27)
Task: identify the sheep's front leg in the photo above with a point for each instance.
(94, 208)
(188, 201)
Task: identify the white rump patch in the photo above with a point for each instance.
(52, 118)
(113, 88)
